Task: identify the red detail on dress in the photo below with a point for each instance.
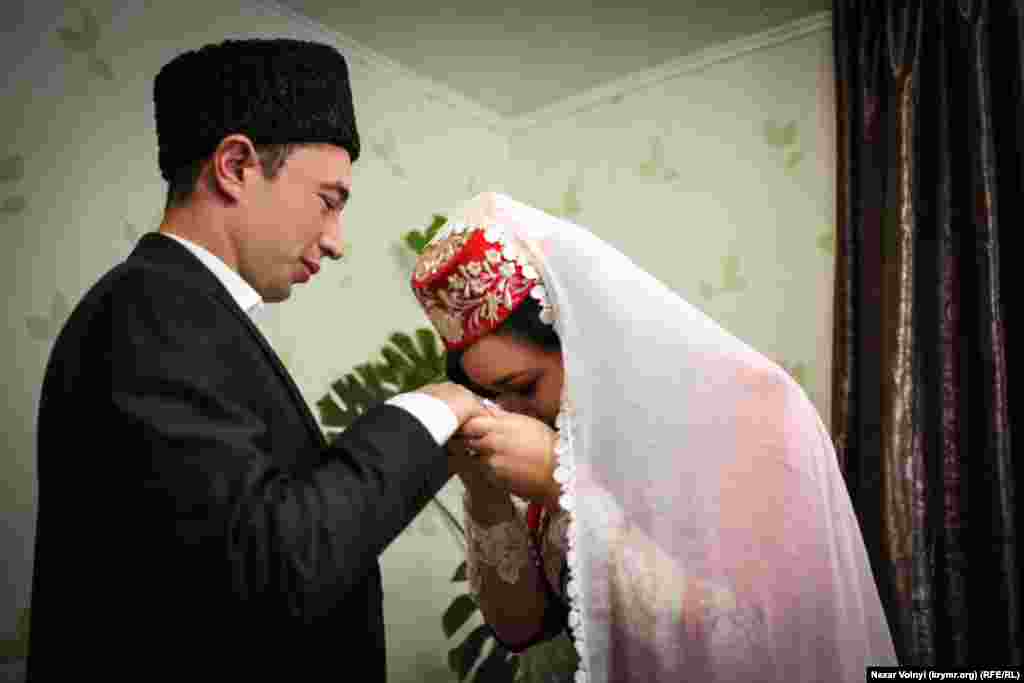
(533, 516)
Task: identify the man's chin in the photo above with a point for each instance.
(276, 296)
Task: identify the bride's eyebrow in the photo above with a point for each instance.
(508, 378)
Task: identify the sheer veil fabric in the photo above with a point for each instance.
(711, 537)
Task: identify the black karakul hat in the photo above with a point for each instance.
(275, 91)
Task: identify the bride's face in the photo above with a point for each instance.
(524, 377)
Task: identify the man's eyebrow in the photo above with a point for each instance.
(343, 192)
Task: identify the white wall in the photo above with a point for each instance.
(671, 166)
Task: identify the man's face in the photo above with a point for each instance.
(287, 224)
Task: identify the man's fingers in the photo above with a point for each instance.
(457, 446)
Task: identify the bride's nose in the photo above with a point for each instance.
(515, 404)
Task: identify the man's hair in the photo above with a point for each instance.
(523, 324)
(183, 182)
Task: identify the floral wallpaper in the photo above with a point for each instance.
(718, 181)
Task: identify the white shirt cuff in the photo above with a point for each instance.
(434, 413)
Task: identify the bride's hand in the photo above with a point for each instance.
(518, 451)
(462, 462)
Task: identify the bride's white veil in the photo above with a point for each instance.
(712, 538)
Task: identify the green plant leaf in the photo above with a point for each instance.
(498, 666)
(333, 416)
(417, 241)
(435, 225)
(387, 374)
(428, 365)
(356, 399)
(396, 364)
(457, 614)
(418, 364)
(428, 345)
(460, 574)
(793, 159)
(404, 343)
(372, 382)
(462, 657)
(549, 660)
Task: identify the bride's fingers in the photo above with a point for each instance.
(491, 447)
(477, 427)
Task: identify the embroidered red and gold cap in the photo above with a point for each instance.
(469, 279)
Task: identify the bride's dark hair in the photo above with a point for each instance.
(524, 324)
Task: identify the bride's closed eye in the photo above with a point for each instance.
(483, 393)
(526, 389)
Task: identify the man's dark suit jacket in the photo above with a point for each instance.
(192, 519)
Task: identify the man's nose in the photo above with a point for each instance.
(331, 243)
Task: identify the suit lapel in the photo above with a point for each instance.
(160, 250)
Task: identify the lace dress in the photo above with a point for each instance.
(511, 548)
(531, 543)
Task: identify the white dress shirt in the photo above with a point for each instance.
(432, 412)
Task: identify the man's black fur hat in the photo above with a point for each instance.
(275, 91)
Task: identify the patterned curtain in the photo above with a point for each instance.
(929, 188)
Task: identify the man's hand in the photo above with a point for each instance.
(463, 402)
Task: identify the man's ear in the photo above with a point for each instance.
(232, 165)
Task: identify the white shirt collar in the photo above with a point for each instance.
(247, 298)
